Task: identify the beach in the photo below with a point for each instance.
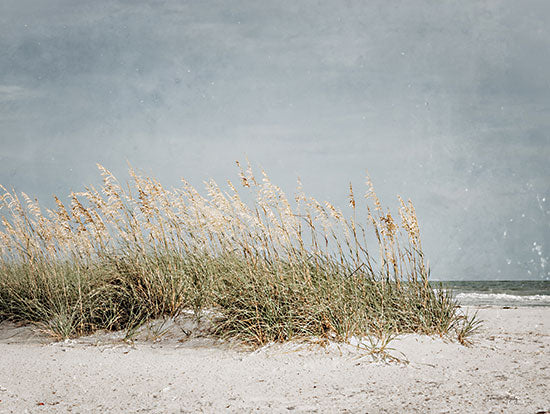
(507, 369)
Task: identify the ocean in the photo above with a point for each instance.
(500, 293)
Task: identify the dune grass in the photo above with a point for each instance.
(272, 269)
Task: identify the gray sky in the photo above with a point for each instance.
(445, 102)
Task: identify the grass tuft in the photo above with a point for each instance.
(273, 270)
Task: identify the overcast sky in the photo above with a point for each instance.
(445, 102)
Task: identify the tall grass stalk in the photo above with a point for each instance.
(274, 269)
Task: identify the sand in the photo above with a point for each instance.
(172, 369)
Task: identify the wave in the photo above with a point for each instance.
(502, 299)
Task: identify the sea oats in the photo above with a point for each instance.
(273, 269)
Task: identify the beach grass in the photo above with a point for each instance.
(272, 268)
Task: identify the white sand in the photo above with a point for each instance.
(507, 370)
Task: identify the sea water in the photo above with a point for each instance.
(501, 293)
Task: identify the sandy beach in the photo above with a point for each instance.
(173, 369)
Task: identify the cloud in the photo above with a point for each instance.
(10, 93)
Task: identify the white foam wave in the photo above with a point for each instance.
(503, 298)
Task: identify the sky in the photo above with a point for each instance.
(443, 102)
